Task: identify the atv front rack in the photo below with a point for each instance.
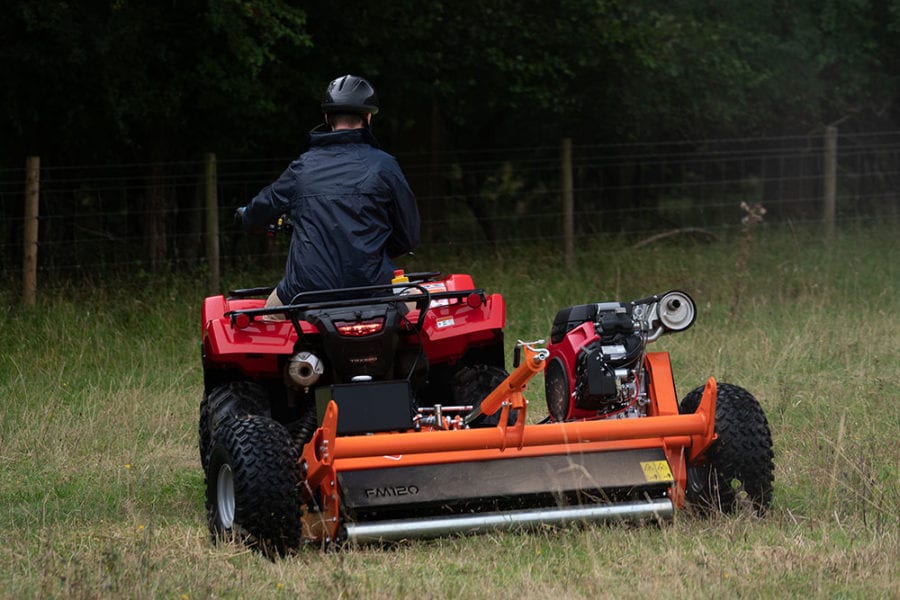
(427, 483)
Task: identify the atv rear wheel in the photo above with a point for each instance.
(203, 432)
(471, 385)
(238, 398)
(739, 467)
(252, 485)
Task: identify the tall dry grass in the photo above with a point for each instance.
(101, 492)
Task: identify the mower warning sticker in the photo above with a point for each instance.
(657, 470)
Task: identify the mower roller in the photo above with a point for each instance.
(385, 413)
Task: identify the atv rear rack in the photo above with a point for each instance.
(421, 296)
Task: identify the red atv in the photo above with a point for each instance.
(385, 412)
(407, 357)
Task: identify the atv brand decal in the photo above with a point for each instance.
(366, 360)
(391, 491)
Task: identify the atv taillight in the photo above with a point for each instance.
(359, 328)
(473, 300)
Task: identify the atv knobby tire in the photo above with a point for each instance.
(252, 485)
(739, 466)
(238, 398)
(472, 384)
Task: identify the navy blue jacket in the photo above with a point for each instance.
(352, 211)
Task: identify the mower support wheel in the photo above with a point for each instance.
(252, 486)
(739, 466)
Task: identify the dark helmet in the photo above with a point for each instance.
(350, 94)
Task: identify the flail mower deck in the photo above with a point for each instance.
(367, 415)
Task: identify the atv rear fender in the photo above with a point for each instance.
(451, 330)
(253, 350)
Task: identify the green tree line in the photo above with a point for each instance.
(135, 81)
(126, 81)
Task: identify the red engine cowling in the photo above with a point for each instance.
(594, 365)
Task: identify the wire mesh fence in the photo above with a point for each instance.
(128, 217)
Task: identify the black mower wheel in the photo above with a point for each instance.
(472, 384)
(739, 467)
(238, 398)
(252, 486)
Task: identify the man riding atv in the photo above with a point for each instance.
(351, 207)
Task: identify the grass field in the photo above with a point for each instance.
(101, 492)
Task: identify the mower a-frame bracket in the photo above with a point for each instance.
(707, 408)
(321, 483)
(318, 455)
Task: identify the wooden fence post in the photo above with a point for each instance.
(568, 197)
(212, 223)
(30, 235)
(830, 183)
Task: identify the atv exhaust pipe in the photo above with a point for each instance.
(660, 509)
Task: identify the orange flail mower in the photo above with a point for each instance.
(386, 413)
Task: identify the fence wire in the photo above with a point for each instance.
(147, 216)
